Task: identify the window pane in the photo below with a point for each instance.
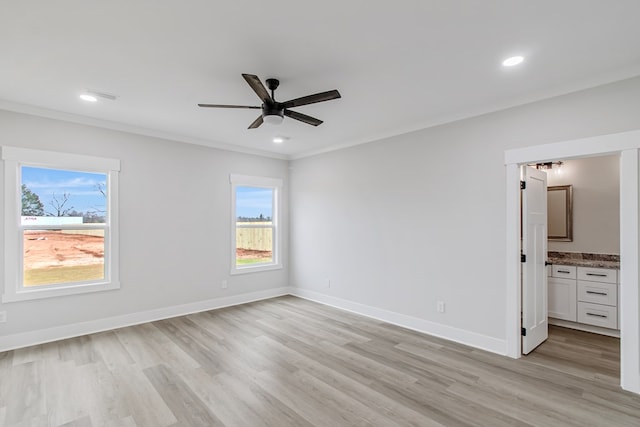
(254, 204)
(62, 256)
(59, 194)
(254, 245)
(254, 207)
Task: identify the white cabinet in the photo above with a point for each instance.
(598, 293)
(562, 293)
(584, 295)
(604, 316)
(564, 271)
(598, 297)
(601, 275)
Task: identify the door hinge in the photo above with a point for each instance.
(523, 258)
(523, 331)
(523, 185)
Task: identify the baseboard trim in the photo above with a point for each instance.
(450, 333)
(41, 336)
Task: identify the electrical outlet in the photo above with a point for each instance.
(440, 306)
(3, 316)
(223, 284)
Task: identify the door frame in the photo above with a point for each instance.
(627, 145)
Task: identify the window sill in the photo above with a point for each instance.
(255, 269)
(35, 294)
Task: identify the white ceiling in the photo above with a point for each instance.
(399, 65)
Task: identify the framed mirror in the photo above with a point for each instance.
(560, 213)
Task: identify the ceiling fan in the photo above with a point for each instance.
(273, 112)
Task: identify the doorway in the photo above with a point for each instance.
(580, 255)
(627, 145)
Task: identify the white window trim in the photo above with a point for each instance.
(14, 158)
(264, 182)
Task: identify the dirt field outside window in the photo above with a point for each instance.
(53, 257)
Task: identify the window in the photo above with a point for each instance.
(255, 210)
(61, 217)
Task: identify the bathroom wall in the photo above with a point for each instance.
(596, 204)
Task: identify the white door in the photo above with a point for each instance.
(534, 248)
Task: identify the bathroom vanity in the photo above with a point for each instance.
(583, 292)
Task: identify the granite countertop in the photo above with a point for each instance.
(581, 259)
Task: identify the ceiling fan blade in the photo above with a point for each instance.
(303, 118)
(312, 99)
(258, 87)
(227, 106)
(256, 123)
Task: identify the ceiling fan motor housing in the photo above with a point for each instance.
(272, 113)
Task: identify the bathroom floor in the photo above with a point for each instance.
(587, 354)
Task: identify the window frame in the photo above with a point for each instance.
(274, 184)
(14, 158)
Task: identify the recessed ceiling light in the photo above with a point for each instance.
(92, 96)
(278, 139)
(88, 98)
(514, 60)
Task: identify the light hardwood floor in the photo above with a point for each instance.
(291, 362)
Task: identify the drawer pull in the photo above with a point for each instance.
(597, 293)
(596, 274)
(597, 315)
(564, 271)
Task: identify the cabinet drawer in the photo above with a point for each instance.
(599, 315)
(605, 275)
(598, 293)
(563, 271)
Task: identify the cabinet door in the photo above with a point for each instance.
(562, 299)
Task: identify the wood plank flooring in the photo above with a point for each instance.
(291, 362)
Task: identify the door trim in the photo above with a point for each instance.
(627, 145)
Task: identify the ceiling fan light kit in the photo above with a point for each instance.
(273, 112)
(273, 119)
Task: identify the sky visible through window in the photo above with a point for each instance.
(82, 188)
(251, 202)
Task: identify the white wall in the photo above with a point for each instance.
(401, 223)
(596, 204)
(395, 225)
(174, 223)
